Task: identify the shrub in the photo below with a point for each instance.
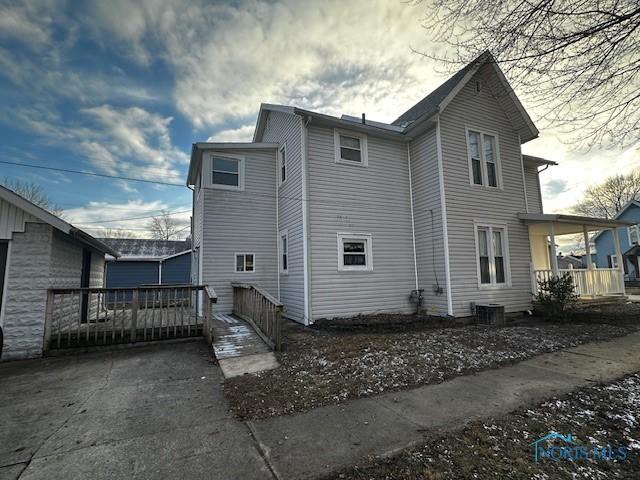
(556, 297)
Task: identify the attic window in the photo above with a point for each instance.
(478, 86)
(350, 148)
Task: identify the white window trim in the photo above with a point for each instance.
(637, 229)
(281, 182)
(283, 234)
(367, 238)
(614, 261)
(235, 262)
(507, 257)
(209, 169)
(483, 163)
(364, 154)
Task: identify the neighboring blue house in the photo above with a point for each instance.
(629, 242)
(148, 262)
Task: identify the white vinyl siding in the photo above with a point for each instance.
(374, 200)
(467, 203)
(286, 129)
(427, 207)
(532, 183)
(237, 222)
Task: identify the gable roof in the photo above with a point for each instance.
(626, 207)
(56, 222)
(147, 249)
(437, 100)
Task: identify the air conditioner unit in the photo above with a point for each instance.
(488, 313)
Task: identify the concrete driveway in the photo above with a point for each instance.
(147, 412)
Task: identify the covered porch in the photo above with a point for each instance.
(589, 281)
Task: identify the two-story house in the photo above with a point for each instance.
(340, 216)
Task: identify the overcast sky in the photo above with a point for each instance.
(124, 88)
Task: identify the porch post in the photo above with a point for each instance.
(616, 244)
(587, 247)
(554, 254)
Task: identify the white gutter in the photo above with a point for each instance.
(445, 232)
(413, 229)
(308, 317)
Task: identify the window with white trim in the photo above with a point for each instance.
(245, 263)
(634, 234)
(282, 164)
(483, 158)
(284, 252)
(355, 252)
(613, 261)
(227, 172)
(492, 261)
(350, 148)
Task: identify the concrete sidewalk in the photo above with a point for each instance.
(326, 439)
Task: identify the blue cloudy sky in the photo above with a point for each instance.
(124, 88)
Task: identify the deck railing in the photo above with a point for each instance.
(77, 317)
(262, 311)
(588, 283)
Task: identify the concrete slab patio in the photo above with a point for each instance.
(148, 412)
(159, 412)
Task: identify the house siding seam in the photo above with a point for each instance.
(241, 222)
(427, 205)
(286, 129)
(466, 204)
(372, 200)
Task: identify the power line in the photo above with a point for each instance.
(130, 218)
(94, 174)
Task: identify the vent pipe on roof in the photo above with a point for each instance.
(363, 119)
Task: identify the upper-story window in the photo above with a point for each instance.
(483, 158)
(284, 251)
(227, 172)
(350, 148)
(634, 234)
(282, 164)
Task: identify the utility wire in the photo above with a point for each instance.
(94, 174)
(130, 218)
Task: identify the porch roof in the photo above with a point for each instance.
(541, 223)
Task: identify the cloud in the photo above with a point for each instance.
(98, 218)
(117, 141)
(240, 134)
(22, 24)
(555, 187)
(227, 58)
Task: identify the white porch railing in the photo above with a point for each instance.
(589, 283)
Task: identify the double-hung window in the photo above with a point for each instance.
(284, 252)
(282, 164)
(355, 252)
(491, 244)
(245, 263)
(227, 172)
(350, 148)
(483, 158)
(634, 234)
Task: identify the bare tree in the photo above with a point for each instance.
(34, 193)
(608, 197)
(163, 227)
(117, 233)
(576, 61)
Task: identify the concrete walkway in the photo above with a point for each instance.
(159, 412)
(238, 348)
(322, 440)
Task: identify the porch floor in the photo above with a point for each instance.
(238, 348)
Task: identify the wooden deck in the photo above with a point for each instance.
(234, 338)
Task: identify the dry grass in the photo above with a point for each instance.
(329, 367)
